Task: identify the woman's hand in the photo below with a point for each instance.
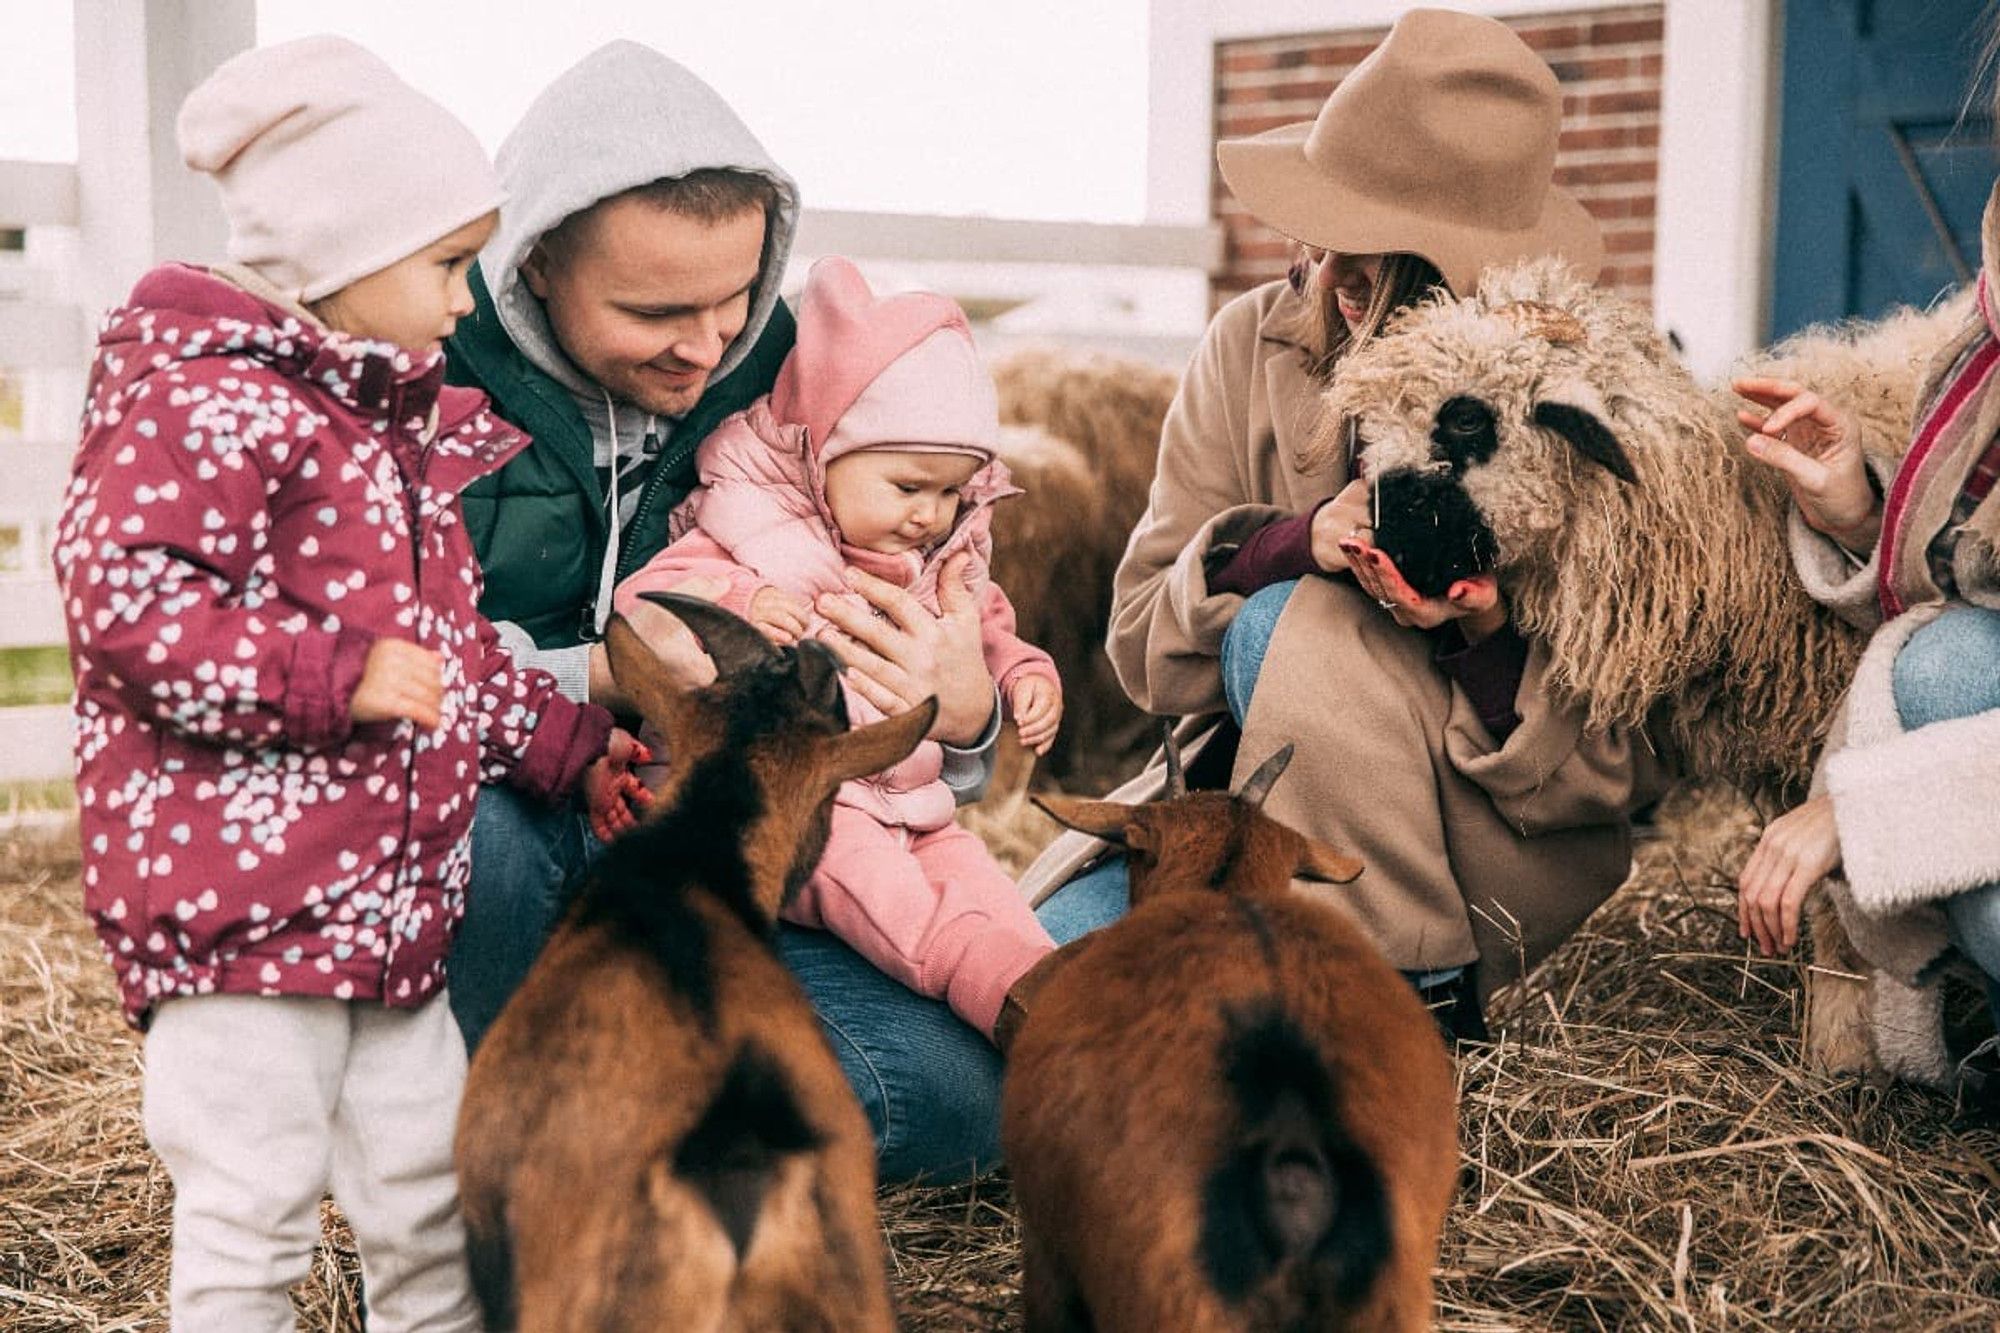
(1818, 448)
(1474, 601)
(1346, 515)
(1797, 850)
(898, 662)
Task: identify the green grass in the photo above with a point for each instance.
(34, 675)
(53, 795)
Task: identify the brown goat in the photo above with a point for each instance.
(1226, 1111)
(655, 1133)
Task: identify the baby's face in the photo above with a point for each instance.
(896, 500)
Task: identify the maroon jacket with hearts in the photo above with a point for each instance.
(255, 500)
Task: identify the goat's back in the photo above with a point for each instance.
(1127, 1114)
(642, 1142)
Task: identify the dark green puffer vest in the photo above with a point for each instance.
(538, 524)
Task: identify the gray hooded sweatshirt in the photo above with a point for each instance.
(623, 116)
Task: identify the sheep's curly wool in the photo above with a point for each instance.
(1081, 433)
(1667, 600)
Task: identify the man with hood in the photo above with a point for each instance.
(626, 305)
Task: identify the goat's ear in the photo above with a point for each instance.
(818, 674)
(1319, 861)
(732, 641)
(1100, 819)
(870, 749)
(1589, 436)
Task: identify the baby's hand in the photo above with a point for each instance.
(399, 682)
(1037, 706)
(612, 792)
(780, 615)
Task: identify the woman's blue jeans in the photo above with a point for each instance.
(1950, 669)
(1102, 894)
(929, 1083)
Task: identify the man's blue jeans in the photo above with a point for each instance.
(1950, 669)
(929, 1083)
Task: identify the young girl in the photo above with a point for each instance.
(874, 451)
(285, 698)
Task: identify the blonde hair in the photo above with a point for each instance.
(1405, 279)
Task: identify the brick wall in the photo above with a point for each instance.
(1608, 62)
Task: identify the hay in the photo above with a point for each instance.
(1641, 1151)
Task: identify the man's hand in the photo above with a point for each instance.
(679, 651)
(612, 792)
(899, 662)
(399, 682)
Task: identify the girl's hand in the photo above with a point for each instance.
(1797, 850)
(612, 792)
(780, 615)
(399, 682)
(1818, 448)
(1037, 708)
(1474, 601)
(1347, 514)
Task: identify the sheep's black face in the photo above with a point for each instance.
(1465, 433)
(1428, 525)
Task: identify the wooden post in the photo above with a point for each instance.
(137, 204)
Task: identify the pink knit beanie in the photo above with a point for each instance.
(891, 372)
(331, 167)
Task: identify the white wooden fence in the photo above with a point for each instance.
(95, 225)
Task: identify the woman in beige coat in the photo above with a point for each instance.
(1491, 823)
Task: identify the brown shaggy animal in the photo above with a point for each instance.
(1226, 1112)
(1634, 536)
(1637, 539)
(655, 1133)
(1081, 434)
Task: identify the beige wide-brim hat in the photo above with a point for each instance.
(1441, 143)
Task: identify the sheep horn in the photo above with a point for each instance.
(1550, 323)
(732, 641)
(1258, 785)
(1176, 776)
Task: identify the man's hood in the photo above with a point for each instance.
(623, 116)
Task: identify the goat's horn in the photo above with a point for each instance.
(1176, 778)
(1258, 785)
(733, 642)
(1547, 322)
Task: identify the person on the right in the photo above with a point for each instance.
(1491, 822)
(1900, 824)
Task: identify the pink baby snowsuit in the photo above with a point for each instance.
(911, 891)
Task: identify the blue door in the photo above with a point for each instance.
(1883, 168)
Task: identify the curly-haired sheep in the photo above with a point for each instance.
(1635, 537)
